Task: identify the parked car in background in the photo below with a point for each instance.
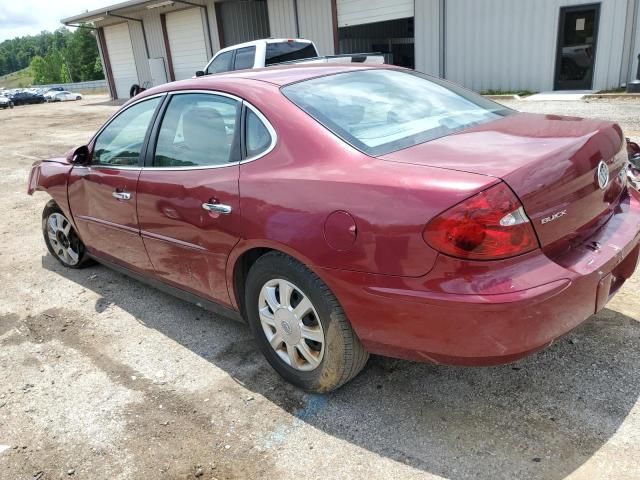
(5, 102)
(272, 51)
(63, 96)
(25, 98)
(343, 210)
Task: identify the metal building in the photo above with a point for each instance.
(503, 45)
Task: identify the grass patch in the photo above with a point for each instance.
(20, 79)
(614, 90)
(522, 93)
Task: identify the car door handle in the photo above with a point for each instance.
(217, 208)
(121, 195)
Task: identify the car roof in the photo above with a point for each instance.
(277, 76)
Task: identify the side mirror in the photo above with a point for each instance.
(200, 73)
(79, 155)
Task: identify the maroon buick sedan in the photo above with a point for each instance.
(347, 210)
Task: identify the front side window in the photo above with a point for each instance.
(257, 137)
(245, 58)
(222, 63)
(278, 52)
(120, 143)
(197, 129)
(380, 111)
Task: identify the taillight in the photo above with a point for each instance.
(488, 226)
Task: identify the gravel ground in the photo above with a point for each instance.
(102, 377)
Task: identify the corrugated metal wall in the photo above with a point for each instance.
(488, 44)
(635, 50)
(358, 12)
(316, 24)
(155, 40)
(282, 18)
(511, 44)
(243, 21)
(427, 36)
(139, 52)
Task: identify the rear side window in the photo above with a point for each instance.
(222, 63)
(257, 137)
(288, 51)
(380, 111)
(245, 58)
(197, 130)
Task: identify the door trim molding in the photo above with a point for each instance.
(106, 223)
(162, 238)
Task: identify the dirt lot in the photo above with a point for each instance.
(102, 377)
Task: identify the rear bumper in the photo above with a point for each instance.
(484, 313)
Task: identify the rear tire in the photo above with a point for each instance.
(134, 90)
(61, 239)
(315, 349)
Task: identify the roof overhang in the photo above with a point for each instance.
(102, 13)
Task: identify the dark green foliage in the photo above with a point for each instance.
(54, 57)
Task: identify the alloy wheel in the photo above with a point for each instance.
(63, 239)
(291, 324)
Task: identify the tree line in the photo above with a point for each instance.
(59, 57)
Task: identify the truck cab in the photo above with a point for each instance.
(259, 53)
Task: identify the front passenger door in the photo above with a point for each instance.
(102, 195)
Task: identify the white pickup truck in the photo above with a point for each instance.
(269, 51)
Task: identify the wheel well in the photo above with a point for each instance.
(241, 270)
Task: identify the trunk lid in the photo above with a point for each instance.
(551, 163)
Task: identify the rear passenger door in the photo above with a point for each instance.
(188, 197)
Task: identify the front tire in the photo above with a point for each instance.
(299, 325)
(61, 239)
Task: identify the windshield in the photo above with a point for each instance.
(381, 111)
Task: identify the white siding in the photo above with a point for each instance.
(357, 12)
(427, 36)
(121, 58)
(511, 45)
(282, 18)
(139, 52)
(186, 42)
(316, 24)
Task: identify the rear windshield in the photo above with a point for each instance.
(381, 111)
(288, 51)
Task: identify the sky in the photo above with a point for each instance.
(29, 17)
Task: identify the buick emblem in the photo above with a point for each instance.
(286, 327)
(603, 175)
